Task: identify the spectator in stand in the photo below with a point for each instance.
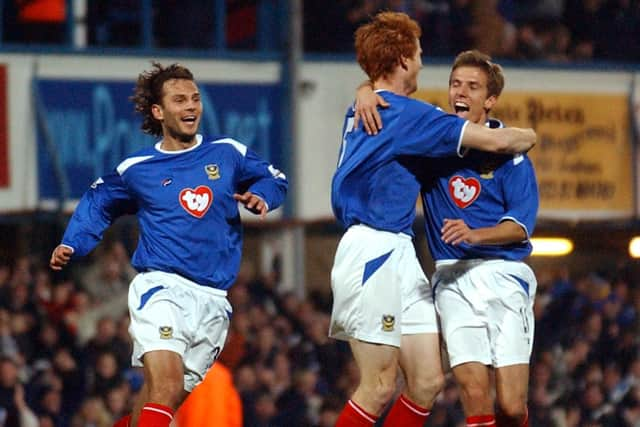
(105, 374)
(114, 22)
(73, 379)
(108, 278)
(215, 399)
(117, 400)
(178, 26)
(92, 413)
(40, 21)
(9, 381)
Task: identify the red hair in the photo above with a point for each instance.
(382, 43)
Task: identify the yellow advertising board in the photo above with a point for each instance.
(583, 158)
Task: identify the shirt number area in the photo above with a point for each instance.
(343, 148)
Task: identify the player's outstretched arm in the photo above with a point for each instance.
(504, 140)
(366, 108)
(252, 203)
(60, 257)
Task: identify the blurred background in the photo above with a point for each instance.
(278, 76)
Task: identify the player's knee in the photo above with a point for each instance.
(168, 391)
(424, 389)
(380, 388)
(512, 408)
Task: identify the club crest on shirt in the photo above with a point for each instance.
(464, 191)
(488, 175)
(388, 322)
(196, 201)
(166, 332)
(213, 171)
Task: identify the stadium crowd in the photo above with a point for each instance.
(552, 30)
(558, 31)
(65, 350)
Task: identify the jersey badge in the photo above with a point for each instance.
(166, 332)
(196, 201)
(488, 175)
(464, 191)
(213, 172)
(388, 322)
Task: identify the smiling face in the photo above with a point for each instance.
(179, 111)
(468, 93)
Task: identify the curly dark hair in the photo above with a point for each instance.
(148, 91)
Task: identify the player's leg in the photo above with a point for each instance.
(462, 304)
(160, 338)
(475, 388)
(420, 358)
(163, 389)
(367, 311)
(378, 365)
(422, 368)
(512, 326)
(512, 384)
(421, 363)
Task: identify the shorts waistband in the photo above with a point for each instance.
(362, 228)
(468, 262)
(190, 283)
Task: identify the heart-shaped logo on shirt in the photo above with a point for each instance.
(197, 201)
(464, 191)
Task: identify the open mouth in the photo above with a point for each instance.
(189, 119)
(461, 107)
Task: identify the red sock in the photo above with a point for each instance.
(481, 421)
(406, 413)
(154, 415)
(123, 422)
(353, 415)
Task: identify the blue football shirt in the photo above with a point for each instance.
(372, 184)
(483, 189)
(189, 222)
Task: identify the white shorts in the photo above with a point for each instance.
(486, 310)
(169, 312)
(379, 289)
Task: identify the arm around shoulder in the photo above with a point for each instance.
(503, 140)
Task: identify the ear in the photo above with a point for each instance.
(403, 63)
(490, 102)
(156, 112)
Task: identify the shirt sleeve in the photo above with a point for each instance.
(521, 193)
(429, 132)
(105, 201)
(262, 179)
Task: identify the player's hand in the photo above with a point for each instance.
(366, 109)
(455, 231)
(60, 257)
(252, 203)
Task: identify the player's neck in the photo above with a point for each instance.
(396, 86)
(173, 144)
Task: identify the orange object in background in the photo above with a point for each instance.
(215, 401)
(42, 10)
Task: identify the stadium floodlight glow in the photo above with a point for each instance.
(551, 246)
(634, 247)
